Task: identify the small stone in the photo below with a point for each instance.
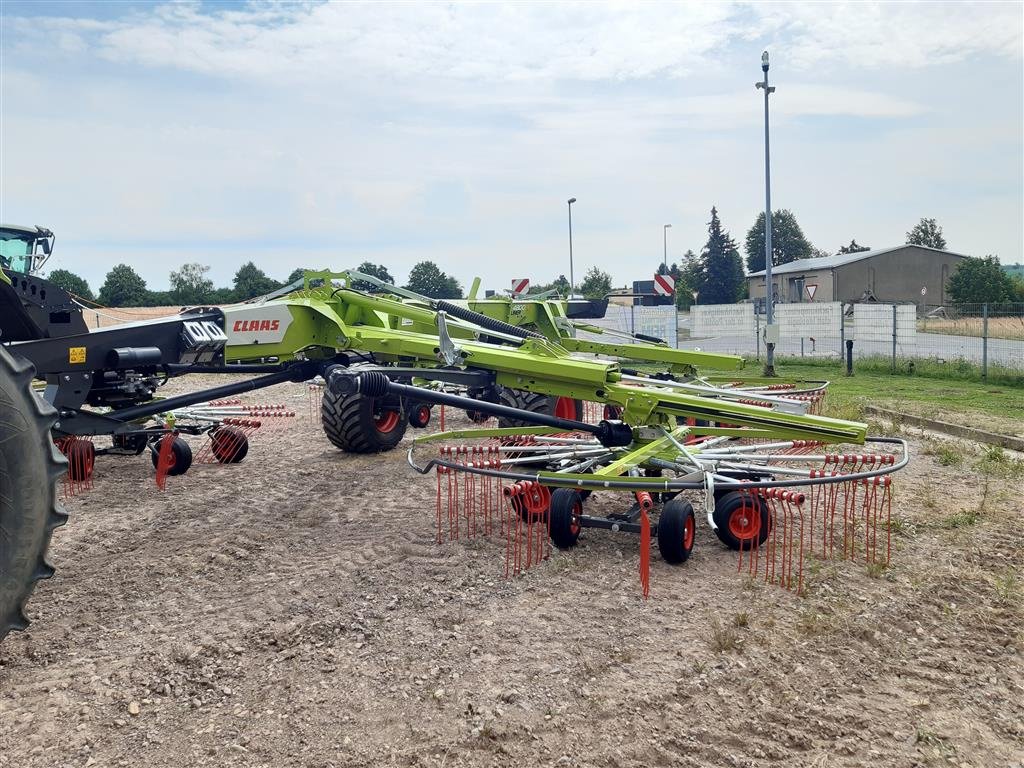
(134, 708)
(439, 694)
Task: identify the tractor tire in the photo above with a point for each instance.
(181, 457)
(566, 510)
(30, 466)
(565, 407)
(742, 520)
(229, 445)
(359, 424)
(676, 528)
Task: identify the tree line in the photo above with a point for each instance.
(124, 287)
(715, 276)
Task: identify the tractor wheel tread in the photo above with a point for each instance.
(349, 425)
(533, 402)
(30, 466)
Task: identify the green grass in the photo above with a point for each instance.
(939, 398)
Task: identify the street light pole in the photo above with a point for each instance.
(664, 262)
(769, 365)
(572, 278)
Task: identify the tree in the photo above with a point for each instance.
(189, 285)
(560, 286)
(788, 241)
(296, 274)
(976, 281)
(426, 278)
(124, 287)
(819, 253)
(252, 281)
(71, 283)
(374, 270)
(688, 280)
(854, 247)
(596, 284)
(926, 232)
(721, 268)
(1018, 287)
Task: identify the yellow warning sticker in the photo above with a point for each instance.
(76, 354)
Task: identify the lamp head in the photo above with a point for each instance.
(572, 200)
(764, 61)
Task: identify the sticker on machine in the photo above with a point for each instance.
(256, 324)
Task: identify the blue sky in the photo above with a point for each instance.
(320, 134)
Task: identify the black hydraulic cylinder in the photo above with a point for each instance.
(133, 357)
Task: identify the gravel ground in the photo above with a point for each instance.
(295, 610)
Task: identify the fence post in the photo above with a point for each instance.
(757, 333)
(842, 328)
(984, 341)
(894, 338)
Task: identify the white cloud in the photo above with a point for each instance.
(533, 41)
(400, 132)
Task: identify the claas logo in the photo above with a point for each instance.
(256, 325)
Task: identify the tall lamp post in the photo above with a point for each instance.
(770, 327)
(664, 257)
(572, 279)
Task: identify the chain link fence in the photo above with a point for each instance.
(989, 337)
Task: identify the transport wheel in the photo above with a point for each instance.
(131, 442)
(359, 424)
(563, 407)
(743, 520)
(676, 528)
(566, 510)
(419, 417)
(81, 460)
(229, 445)
(30, 465)
(180, 459)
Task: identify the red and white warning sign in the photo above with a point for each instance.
(811, 288)
(520, 285)
(664, 285)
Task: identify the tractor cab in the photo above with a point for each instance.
(24, 249)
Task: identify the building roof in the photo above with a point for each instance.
(841, 259)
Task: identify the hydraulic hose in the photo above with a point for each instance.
(490, 323)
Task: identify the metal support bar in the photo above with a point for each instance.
(300, 372)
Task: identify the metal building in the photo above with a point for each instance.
(903, 273)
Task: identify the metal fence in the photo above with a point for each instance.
(989, 336)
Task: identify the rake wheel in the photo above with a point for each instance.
(29, 468)
(229, 445)
(357, 423)
(81, 460)
(563, 407)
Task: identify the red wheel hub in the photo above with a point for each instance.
(688, 528)
(745, 522)
(386, 421)
(565, 408)
(577, 513)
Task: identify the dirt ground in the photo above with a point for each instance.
(294, 610)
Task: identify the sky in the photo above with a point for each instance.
(327, 134)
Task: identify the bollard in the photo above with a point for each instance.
(849, 357)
